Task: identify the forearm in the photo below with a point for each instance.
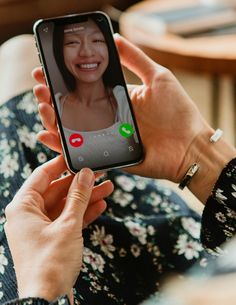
(212, 158)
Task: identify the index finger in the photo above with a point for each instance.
(43, 176)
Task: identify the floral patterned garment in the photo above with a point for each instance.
(146, 232)
(219, 215)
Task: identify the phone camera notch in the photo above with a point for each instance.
(99, 18)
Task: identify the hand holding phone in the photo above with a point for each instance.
(94, 114)
(169, 120)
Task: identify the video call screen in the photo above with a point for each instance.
(90, 97)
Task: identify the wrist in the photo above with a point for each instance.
(31, 301)
(212, 158)
(45, 292)
(45, 287)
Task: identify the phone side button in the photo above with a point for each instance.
(42, 67)
(39, 58)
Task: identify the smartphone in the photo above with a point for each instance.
(94, 114)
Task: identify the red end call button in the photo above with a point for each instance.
(76, 140)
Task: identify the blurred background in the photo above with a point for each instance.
(196, 39)
(18, 16)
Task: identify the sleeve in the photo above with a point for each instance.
(219, 215)
(63, 300)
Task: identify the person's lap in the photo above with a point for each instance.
(146, 231)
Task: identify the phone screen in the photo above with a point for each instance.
(94, 113)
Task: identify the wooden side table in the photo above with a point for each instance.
(214, 55)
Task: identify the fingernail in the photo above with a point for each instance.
(86, 177)
(116, 35)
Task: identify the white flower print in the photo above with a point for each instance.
(138, 215)
(5, 147)
(149, 247)
(134, 206)
(156, 251)
(135, 250)
(234, 188)
(84, 268)
(5, 116)
(137, 230)
(12, 143)
(26, 171)
(27, 137)
(122, 198)
(93, 259)
(27, 302)
(215, 252)
(230, 228)
(126, 183)
(5, 122)
(77, 302)
(6, 193)
(168, 207)
(163, 189)
(141, 183)
(3, 260)
(92, 276)
(96, 285)
(38, 127)
(228, 233)
(41, 157)
(122, 252)
(151, 230)
(99, 237)
(4, 112)
(231, 214)
(2, 221)
(4, 189)
(28, 103)
(167, 191)
(203, 262)
(115, 277)
(155, 199)
(219, 196)
(189, 248)
(9, 165)
(191, 226)
(220, 217)
(61, 301)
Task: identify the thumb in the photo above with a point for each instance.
(79, 195)
(134, 59)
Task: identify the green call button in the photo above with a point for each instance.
(126, 130)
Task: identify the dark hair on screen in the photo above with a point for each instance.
(111, 76)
